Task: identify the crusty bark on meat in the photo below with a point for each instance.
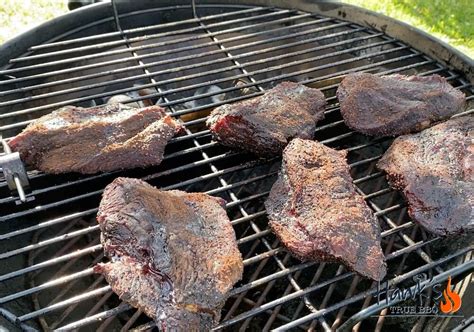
(99, 139)
(264, 125)
(317, 214)
(435, 171)
(394, 105)
(173, 254)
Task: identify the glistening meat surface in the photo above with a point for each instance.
(264, 125)
(173, 254)
(394, 105)
(99, 139)
(317, 214)
(435, 171)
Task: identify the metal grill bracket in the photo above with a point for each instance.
(15, 174)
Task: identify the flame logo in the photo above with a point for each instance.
(452, 300)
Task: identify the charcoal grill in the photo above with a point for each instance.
(192, 58)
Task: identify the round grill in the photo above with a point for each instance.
(190, 63)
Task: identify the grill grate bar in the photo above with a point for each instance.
(402, 235)
(279, 77)
(289, 75)
(88, 250)
(155, 36)
(224, 183)
(95, 318)
(13, 319)
(50, 262)
(215, 191)
(382, 212)
(264, 280)
(415, 246)
(259, 257)
(214, 169)
(366, 145)
(203, 74)
(74, 305)
(254, 236)
(400, 251)
(168, 172)
(453, 272)
(266, 292)
(143, 29)
(293, 284)
(241, 183)
(189, 48)
(247, 218)
(131, 321)
(254, 275)
(397, 228)
(48, 206)
(123, 308)
(203, 54)
(56, 239)
(285, 77)
(200, 64)
(322, 89)
(56, 187)
(233, 292)
(368, 177)
(333, 280)
(58, 305)
(393, 225)
(48, 284)
(232, 195)
(93, 310)
(373, 291)
(355, 281)
(287, 55)
(146, 28)
(297, 288)
(315, 278)
(281, 300)
(37, 192)
(174, 41)
(46, 224)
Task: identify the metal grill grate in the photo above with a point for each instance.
(49, 245)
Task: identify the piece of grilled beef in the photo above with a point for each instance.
(264, 125)
(99, 139)
(435, 171)
(173, 254)
(317, 214)
(396, 104)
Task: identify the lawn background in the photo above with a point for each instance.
(450, 20)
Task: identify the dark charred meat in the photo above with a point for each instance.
(173, 254)
(317, 214)
(264, 125)
(396, 104)
(99, 139)
(435, 171)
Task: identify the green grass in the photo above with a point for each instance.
(18, 16)
(450, 20)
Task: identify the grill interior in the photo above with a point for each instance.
(191, 65)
